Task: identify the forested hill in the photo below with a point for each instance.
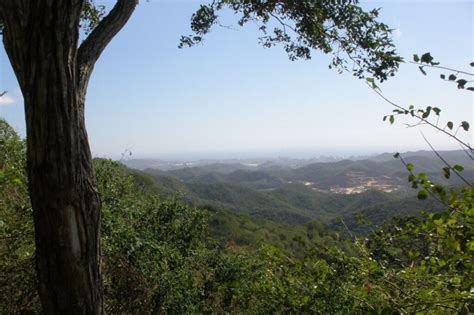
(292, 203)
(374, 188)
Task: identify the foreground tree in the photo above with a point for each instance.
(41, 39)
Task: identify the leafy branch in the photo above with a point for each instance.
(423, 115)
(456, 169)
(428, 188)
(426, 60)
(332, 27)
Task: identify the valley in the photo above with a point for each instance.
(322, 191)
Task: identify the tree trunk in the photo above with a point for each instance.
(41, 42)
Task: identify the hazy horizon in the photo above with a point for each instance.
(302, 154)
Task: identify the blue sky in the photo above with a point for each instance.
(231, 97)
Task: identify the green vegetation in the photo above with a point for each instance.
(17, 271)
(293, 203)
(161, 255)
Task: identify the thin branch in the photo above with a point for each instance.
(93, 46)
(348, 230)
(469, 154)
(427, 190)
(415, 125)
(466, 145)
(285, 25)
(446, 162)
(229, 27)
(441, 67)
(361, 300)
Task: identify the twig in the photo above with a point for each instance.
(446, 162)
(429, 191)
(349, 231)
(466, 145)
(441, 67)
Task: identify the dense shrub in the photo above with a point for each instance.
(159, 258)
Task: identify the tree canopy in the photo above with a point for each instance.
(357, 41)
(354, 37)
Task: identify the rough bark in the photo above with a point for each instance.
(41, 44)
(41, 40)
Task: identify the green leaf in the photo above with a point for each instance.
(410, 167)
(461, 83)
(426, 113)
(371, 82)
(439, 190)
(454, 244)
(451, 222)
(426, 58)
(458, 168)
(447, 172)
(426, 184)
(436, 110)
(450, 125)
(422, 194)
(470, 244)
(442, 76)
(392, 119)
(416, 58)
(452, 77)
(465, 125)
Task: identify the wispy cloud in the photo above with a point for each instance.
(398, 33)
(7, 100)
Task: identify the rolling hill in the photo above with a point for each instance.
(323, 192)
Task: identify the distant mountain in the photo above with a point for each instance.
(255, 164)
(456, 157)
(453, 156)
(142, 164)
(346, 176)
(325, 192)
(189, 173)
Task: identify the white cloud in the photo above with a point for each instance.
(7, 100)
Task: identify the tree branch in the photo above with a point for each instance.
(464, 144)
(440, 67)
(91, 49)
(446, 162)
(427, 190)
